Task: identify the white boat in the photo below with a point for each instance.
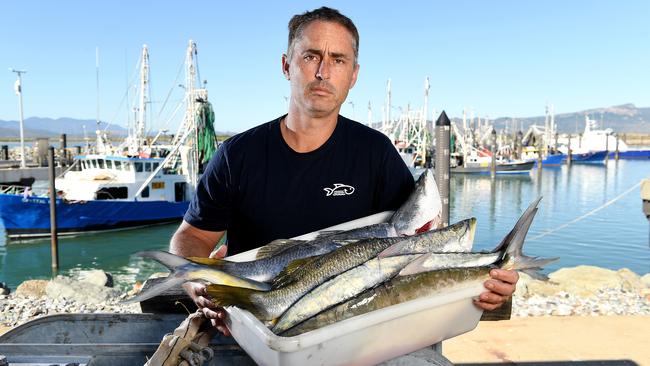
(138, 183)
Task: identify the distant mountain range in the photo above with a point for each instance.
(624, 118)
(49, 127)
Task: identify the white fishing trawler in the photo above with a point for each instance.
(138, 183)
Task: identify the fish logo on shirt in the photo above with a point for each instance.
(339, 190)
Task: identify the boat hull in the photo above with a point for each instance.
(592, 157)
(631, 155)
(551, 160)
(30, 217)
(501, 168)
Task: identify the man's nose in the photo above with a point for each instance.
(323, 72)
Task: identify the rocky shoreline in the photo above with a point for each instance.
(576, 291)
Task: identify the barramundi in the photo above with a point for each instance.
(422, 284)
(301, 277)
(419, 213)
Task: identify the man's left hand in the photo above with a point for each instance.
(500, 287)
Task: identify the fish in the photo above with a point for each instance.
(421, 210)
(311, 272)
(415, 285)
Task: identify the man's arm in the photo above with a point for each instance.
(190, 241)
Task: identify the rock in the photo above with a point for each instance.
(79, 291)
(32, 288)
(646, 280)
(585, 281)
(96, 277)
(630, 280)
(4, 289)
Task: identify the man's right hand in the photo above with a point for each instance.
(217, 315)
(189, 241)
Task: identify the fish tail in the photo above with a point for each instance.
(155, 290)
(183, 270)
(236, 296)
(512, 245)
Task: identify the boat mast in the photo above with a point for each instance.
(144, 99)
(19, 92)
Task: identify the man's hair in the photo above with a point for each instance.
(299, 21)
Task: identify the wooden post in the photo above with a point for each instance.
(568, 158)
(616, 153)
(540, 154)
(493, 168)
(53, 228)
(442, 157)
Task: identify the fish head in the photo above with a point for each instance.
(422, 210)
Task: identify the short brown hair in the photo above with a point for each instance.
(299, 21)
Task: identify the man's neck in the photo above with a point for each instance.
(305, 134)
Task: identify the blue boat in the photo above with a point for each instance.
(28, 217)
(631, 154)
(138, 183)
(588, 157)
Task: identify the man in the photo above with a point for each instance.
(304, 171)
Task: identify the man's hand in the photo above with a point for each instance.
(500, 287)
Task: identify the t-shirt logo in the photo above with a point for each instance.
(339, 190)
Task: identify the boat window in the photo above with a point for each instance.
(109, 164)
(138, 167)
(118, 165)
(155, 166)
(145, 192)
(112, 193)
(101, 163)
(94, 163)
(147, 167)
(126, 166)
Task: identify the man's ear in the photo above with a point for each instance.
(285, 66)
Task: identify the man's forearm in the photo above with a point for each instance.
(189, 241)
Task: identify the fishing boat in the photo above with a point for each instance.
(480, 162)
(138, 183)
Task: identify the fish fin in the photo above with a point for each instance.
(213, 262)
(167, 259)
(187, 270)
(416, 266)
(395, 249)
(155, 290)
(535, 274)
(529, 211)
(324, 233)
(235, 296)
(275, 247)
(514, 241)
(286, 276)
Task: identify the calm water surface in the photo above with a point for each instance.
(588, 215)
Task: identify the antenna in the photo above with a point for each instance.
(19, 92)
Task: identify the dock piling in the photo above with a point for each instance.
(493, 167)
(568, 157)
(442, 172)
(53, 227)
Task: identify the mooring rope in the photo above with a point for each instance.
(587, 214)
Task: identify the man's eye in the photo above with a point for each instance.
(339, 61)
(310, 57)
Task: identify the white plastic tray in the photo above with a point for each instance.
(365, 339)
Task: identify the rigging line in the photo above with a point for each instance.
(125, 98)
(588, 213)
(171, 90)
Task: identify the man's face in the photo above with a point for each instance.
(322, 68)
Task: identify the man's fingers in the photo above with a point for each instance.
(485, 305)
(203, 302)
(499, 287)
(505, 275)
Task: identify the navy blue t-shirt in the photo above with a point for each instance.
(259, 189)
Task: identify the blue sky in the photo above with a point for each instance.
(501, 58)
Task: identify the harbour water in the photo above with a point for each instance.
(589, 215)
